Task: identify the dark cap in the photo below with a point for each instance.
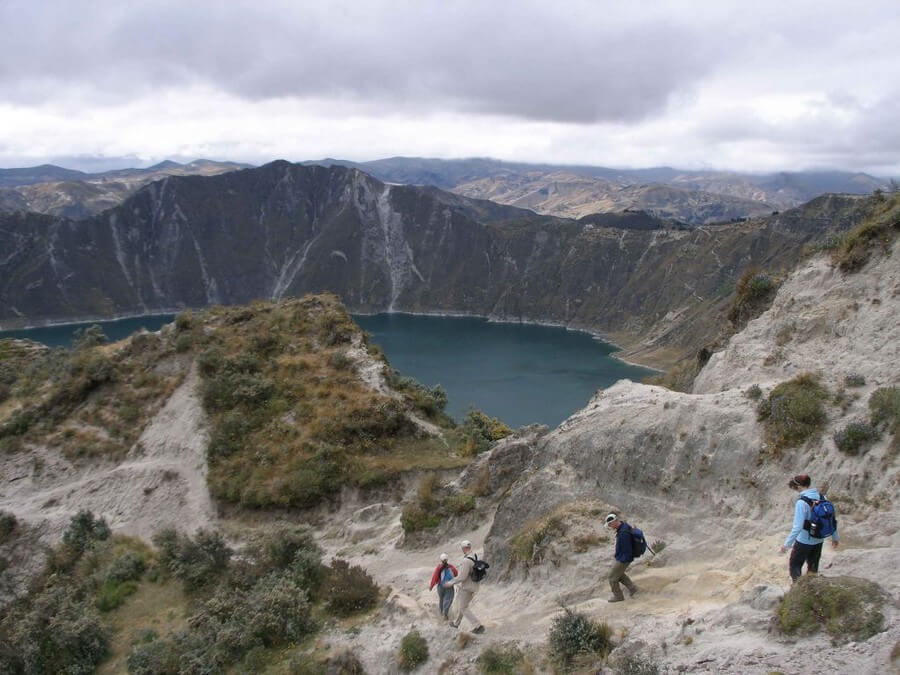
(800, 480)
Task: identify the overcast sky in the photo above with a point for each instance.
(759, 86)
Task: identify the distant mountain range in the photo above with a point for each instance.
(74, 194)
(285, 229)
(693, 197)
(575, 190)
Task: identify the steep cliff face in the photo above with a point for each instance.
(283, 230)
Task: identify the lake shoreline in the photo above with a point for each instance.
(597, 335)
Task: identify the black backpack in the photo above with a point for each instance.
(479, 569)
(638, 543)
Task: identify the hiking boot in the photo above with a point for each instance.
(616, 598)
(633, 591)
(453, 625)
(478, 630)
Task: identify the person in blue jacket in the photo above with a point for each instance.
(623, 558)
(804, 548)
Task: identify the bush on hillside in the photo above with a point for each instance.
(8, 524)
(349, 589)
(91, 336)
(855, 380)
(84, 530)
(854, 437)
(480, 430)
(847, 608)
(292, 549)
(876, 232)
(433, 505)
(197, 561)
(57, 634)
(884, 407)
(793, 411)
(501, 659)
(413, 651)
(573, 635)
(753, 294)
(634, 664)
(528, 546)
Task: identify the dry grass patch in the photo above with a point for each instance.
(574, 524)
(876, 233)
(794, 411)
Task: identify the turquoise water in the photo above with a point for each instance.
(61, 336)
(518, 372)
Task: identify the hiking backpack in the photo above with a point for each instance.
(638, 543)
(479, 569)
(822, 521)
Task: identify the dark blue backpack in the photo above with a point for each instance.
(638, 543)
(822, 520)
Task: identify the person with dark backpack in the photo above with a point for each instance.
(814, 521)
(471, 572)
(630, 544)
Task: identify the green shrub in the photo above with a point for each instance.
(197, 562)
(634, 664)
(753, 294)
(793, 411)
(8, 524)
(479, 431)
(85, 338)
(413, 651)
(183, 343)
(157, 657)
(184, 321)
(84, 530)
(113, 593)
(500, 659)
(573, 635)
(349, 589)
(340, 361)
(58, 634)
(754, 393)
(848, 608)
(853, 437)
(877, 231)
(127, 567)
(276, 611)
(884, 406)
(854, 380)
(293, 549)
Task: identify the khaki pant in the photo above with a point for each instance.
(463, 598)
(617, 574)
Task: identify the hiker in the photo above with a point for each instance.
(623, 557)
(467, 588)
(443, 573)
(806, 548)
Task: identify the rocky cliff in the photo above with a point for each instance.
(282, 230)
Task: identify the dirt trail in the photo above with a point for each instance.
(161, 483)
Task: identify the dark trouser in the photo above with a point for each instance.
(616, 575)
(804, 553)
(445, 599)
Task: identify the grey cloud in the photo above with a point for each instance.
(570, 63)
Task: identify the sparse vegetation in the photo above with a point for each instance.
(634, 664)
(884, 407)
(413, 651)
(877, 232)
(292, 423)
(349, 589)
(754, 393)
(573, 635)
(847, 608)
(501, 659)
(854, 380)
(8, 525)
(853, 438)
(434, 504)
(794, 411)
(527, 548)
(753, 294)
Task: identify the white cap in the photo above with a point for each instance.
(610, 518)
(465, 543)
(443, 557)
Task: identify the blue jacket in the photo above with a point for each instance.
(802, 512)
(623, 543)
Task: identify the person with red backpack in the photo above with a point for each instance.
(444, 573)
(624, 556)
(814, 521)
